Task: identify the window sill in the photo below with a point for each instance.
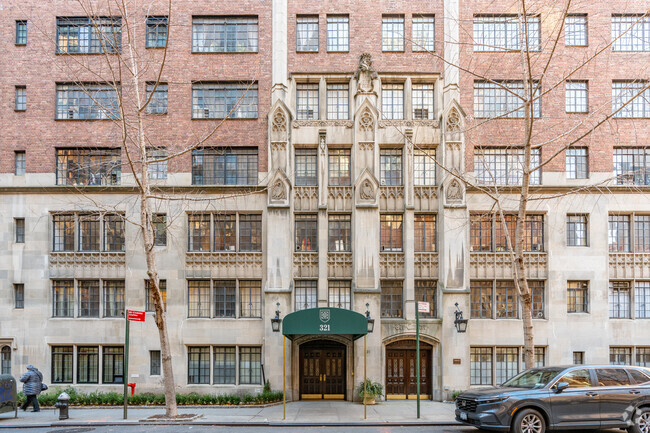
(225, 52)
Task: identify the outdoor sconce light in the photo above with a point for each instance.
(460, 323)
(275, 322)
(371, 322)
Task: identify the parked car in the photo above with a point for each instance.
(562, 398)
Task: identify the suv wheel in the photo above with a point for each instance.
(531, 421)
(641, 421)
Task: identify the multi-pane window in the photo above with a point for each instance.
(159, 223)
(154, 363)
(538, 299)
(63, 232)
(5, 360)
(63, 298)
(481, 228)
(619, 299)
(577, 166)
(221, 100)
(620, 355)
(87, 364)
(426, 291)
(506, 300)
(156, 163)
(424, 167)
(503, 33)
(422, 101)
(306, 232)
(224, 365)
(81, 35)
(540, 356)
(198, 232)
(250, 232)
(575, 31)
(307, 33)
(425, 232)
(306, 167)
(507, 363)
(198, 364)
(224, 34)
(631, 33)
(643, 357)
(157, 97)
(88, 298)
(157, 31)
(576, 230)
(225, 299)
(619, 234)
(632, 165)
(19, 230)
(19, 165)
(62, 364)
(113, 364)
(339, 167)
(339, 294)
(337, 101)
(392, 101)
(642, 299)
(86, 101)
(499, 299)
(505, 165)
(423, 33)
(113, 232)
(149, 298)
(198, 292)
(89, 235)
(113, 297)
(21, 98)
(21, 32)
(642, 233)
(339, 229)
(505, 99)
(630, 99)
(338, 33)
(391, 232)
(307, 101)
(392, 33)
(250, 365)
(88, 167)
(225, 233)
(390, 167)
(392, 303)
(487, 232)
(481, 299)
(19, 295)
(224, 166)
(578, 358)
(250, 298)
(576, 97)
(306, 294)
(577, 296)
(480, 365)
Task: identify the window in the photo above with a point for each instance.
(540, 356)
(198, 232)
(576, 97)
(504, 166)
(619, 300)
(480, 365)
(225, 298)
(21, 32)
(21, 98)
(113, 233)
(642, 360)
(250, 365)
(506, 300)
(19, 296)
(86, 101)
(89, 232)
(306, 294)
(505, 99)
(307, 101)
(576, 230)
(632, 98)
(250, 232)
(224, 34)
(422, 101)
(481, 299)
(423, 33)
(89, 35)
(619, 234)
(575, 31)
(198, 365)
(198, 298)
(338, 33)
(392, 33)
(631, 33)
(63, 298)
(642, 299)
(337, 101)
(113, 298)
(88, 167)
(225, 237)
(62, 364)
(5, 360)
(88, 298)
(88, 364)
(339, 167)
(113, 364)
(425, 232)
(392, 101)
(632, 165)
(391, 299)
(154, 363)
(507, 363)
(19, 225)
(307, 232)
(63, 232)
(223, 100)
(502, 33)
(391, 232)
(157, 31)
(307, 33)
(339, 294)
(620, 356)
(577, 296)
(250, 298)
(149, 299)
(642, 233)
(339, 233)
(577, 379)
(487, 232)
(224, 166)
(390, 166)
(224, 365)
(159, 222)
(158, 98)
(577, 166)
(20, 160)
(426, 291)
(306, 167)
(537, 292)
(578, 358)
(424, 167)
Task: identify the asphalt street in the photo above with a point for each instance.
(244, 429)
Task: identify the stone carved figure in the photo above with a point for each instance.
(367, 191)
(454, 191)
(365, 74)
(278, 192)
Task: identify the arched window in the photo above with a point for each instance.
(5, 360)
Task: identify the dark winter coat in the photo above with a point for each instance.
(32, 381)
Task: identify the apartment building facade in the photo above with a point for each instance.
(356, 170)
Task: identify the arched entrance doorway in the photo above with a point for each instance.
(401, 372)
(322, 370)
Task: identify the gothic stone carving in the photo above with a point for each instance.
(365, 74)
(367, 190)
(278, 191)
(321, 123)
(279, 127)
(408, 123)
(454, 192)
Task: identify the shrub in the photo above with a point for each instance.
(267, 387)
(374, 389)
(455, 394)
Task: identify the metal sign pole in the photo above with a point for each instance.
(365, 377)
(125, 374)
(417, 354)
(284, 377)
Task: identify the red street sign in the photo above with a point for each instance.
(423, 307)
(136, 316)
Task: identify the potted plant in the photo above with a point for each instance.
(370, 391)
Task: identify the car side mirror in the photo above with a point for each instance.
(560, 386)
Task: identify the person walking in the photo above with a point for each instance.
(32, 384)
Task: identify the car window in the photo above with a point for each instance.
(612, 377)
(638, 376)
(577, 379)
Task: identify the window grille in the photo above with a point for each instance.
(632, 165)
(88, 298)
(306, 167)
(306, 232)
(391, 232)
(631, 33)
(480, 365)
(88, 167)
(619, 300)
(391, 299)
(21, 98)
(222, 100)
(339, 232)
(157, 31)
(505, 99)
(307, 33)
(307, 101)
(424, 167)
(224, 166)
(158, 101)
(423, 33)
(113, 364)
(339, 161)
(425, 232)
(632, 98)
(224, 298)
(504, 166)
(224, 34)
(224, 365)
(339, 294)
(392, 101)
(575, 30)
(337, 101)
(576, 230)
(576, 98)
(250, 365)
(149, 299)
(338, 33)
(390, 167)
(306, 294)
(89, 35)
(422, 101)
(577, 166)
(502, 33)
(198, 365)
(392, 31)
(250, 295)
(619, 234)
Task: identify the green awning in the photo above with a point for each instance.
(325, 321)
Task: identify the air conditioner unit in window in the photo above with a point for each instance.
(421, 113)
(71, 114)
(383, 182)
(540, 315)
(206, 113)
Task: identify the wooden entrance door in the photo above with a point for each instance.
(401, 377)
(322, 371)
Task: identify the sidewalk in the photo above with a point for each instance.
(298, 413)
